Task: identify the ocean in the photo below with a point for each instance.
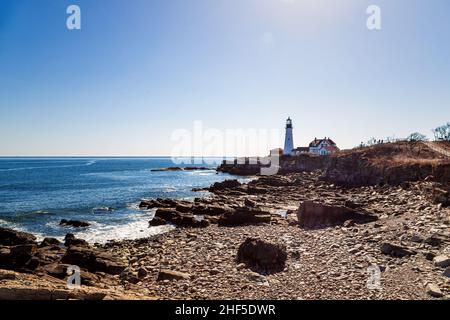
(36, 193)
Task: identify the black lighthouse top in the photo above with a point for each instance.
(289, 123)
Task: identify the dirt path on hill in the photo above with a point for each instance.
(437, 148)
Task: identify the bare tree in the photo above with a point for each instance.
(416, 136)
(371, 142)
(442, 133)
(361, 145)
(390, 139)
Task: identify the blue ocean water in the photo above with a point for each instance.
(36, 193)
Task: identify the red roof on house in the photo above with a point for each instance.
(317, 142)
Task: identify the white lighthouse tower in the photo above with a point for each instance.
(288, 140)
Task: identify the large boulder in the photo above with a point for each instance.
(49, 242)
(57, 270)
(149, 204)
(47, 255)
(167, 169)
(239, 169)
(244, 216)
(256, 190)
(71, 240)
(189, 220)
(227, 184)
(23, 253)
(167, 214)
(274, 181)
(18, 257)
(161, 203)
(262, 256)
(74, 223)
(28, 257)
(396, 251)
(184, 207)
(179, 219)
(93, 260)
(9, 237)
(316, 215)
(210, 210)
(157, 221)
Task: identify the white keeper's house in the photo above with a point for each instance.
(321, 147)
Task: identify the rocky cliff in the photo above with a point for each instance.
(392, 163)
(388, 163)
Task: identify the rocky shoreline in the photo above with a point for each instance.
(407, 237)
(289, 236)
(407, 241)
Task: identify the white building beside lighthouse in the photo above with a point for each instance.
(288, 139)
(320, 147)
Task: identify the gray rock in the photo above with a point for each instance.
(166, 274)
(9, 237)
(130, 277)
(442, 261)
(318, 215)
(260, 255)
(142, 273)
(416, 238)
(434, 291)
(447, 272)
(395, 250)
(74, 223)
(49, 242)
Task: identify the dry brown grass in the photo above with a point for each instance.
(407, 160)
(407, 152)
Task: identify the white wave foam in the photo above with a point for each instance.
(137, 228)
(134, 206)
(203, 173)
(89, 163)
(100, 210)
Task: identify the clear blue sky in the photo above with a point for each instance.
(139, 69)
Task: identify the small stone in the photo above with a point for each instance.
(142, 273)
(130, 277)
(447, 272)
(429, 255)
(434, 291)
(240, 266)
(349, 223)
(442, 261)
(355, 248)
(214, 272)
(416, 238)
(166, 274)
(256, 277)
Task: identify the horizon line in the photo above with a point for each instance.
(114, 156)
